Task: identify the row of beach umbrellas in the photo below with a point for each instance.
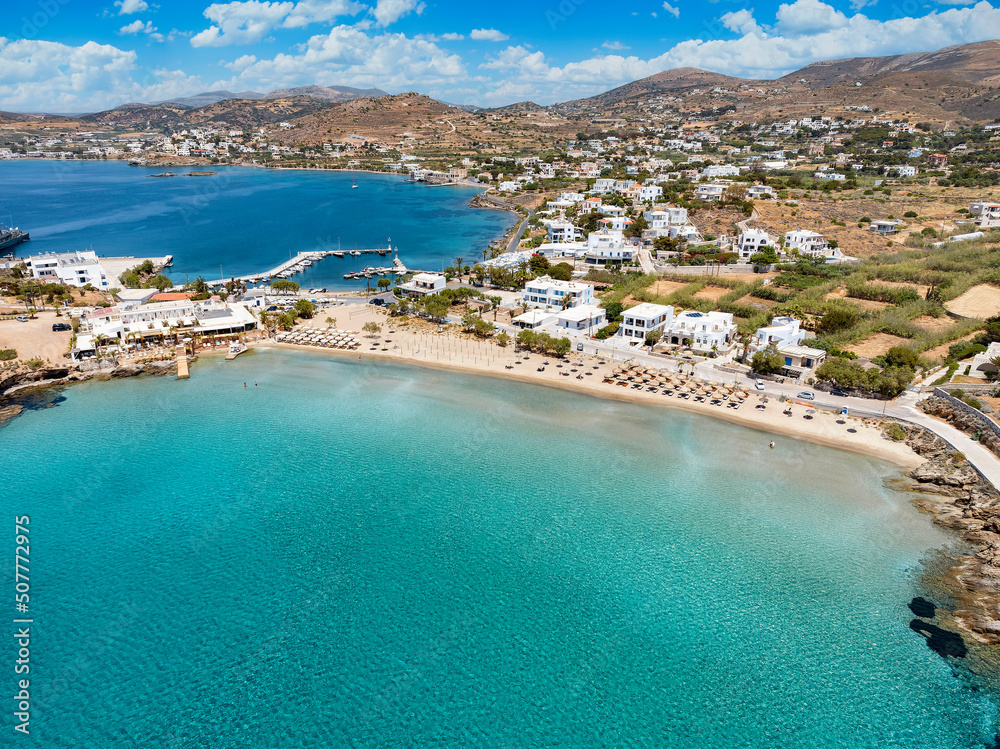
(681, 382)
(324, 338)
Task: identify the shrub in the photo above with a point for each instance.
(895, 432)
(8, 354)
(910, 214)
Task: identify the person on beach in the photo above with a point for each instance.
(772, 445)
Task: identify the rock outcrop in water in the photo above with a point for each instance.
(971, 505)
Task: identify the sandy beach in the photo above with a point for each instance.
(586, 374)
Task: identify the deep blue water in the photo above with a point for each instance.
(246, 220)
(372, 555)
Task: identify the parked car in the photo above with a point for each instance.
(378, 301)
(22, 318)
(838, 391)
(579, 347)
(806, 395)
(60, 326)
(759, 384)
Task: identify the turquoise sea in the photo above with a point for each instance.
(245, 220)
(373, 555)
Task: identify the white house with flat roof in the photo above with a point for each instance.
(423, 284)
(783, 331)
(534, 318)
(563, 231)
(639, 320)
(707, 331)
(71, 268)
(586, 319)
(752, 241)
(548, 292)
(799, 359)
(805, 241)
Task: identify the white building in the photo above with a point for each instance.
(760, 191)
(751, 241)
(710, 192)
(720, 170)
(982, 363)
(905, 170)
(665, 216)
(71, 268)
(128, 325)
(783, 331)
(639, 320)
(585, 319)
(423, 284)
(806, 242)
(707, 331)
(987, 214)
(548, 292)
(563, 231)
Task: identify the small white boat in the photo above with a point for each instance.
(354, 185)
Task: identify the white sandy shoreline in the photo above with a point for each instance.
(482, 358)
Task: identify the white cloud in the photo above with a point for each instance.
(452, 37)
(240, 63)
(488, 35)
(240, 22)
(320, 11)
(352, 58)
(795, 41)
(615, 46)
(741, 22)
(808, 17)
(675, 12)
(54, 77)
(136, 26)
(390, 11)
(248, 21)
(127, 7)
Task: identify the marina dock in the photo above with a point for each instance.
(183, 373)
(303, 260)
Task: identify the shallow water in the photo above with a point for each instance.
(246, 220)
(378, 555)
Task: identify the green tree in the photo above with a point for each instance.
(614, 311)
(281, 286)
(437, 308)
(561, 271)
(637, 227)
(305, 308)
(839, 317)
(767, 361)
(653, 337)
(384, 283)
(538, 264)
(372, 328)
(160, 283)
(503, 339)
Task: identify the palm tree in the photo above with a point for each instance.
(458, 264)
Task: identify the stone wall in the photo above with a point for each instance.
(984, 423)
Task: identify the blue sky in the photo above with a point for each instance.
(78, 56)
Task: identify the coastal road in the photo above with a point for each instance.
(903, 407)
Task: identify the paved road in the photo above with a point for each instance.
(903, 407)
(646, 261)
